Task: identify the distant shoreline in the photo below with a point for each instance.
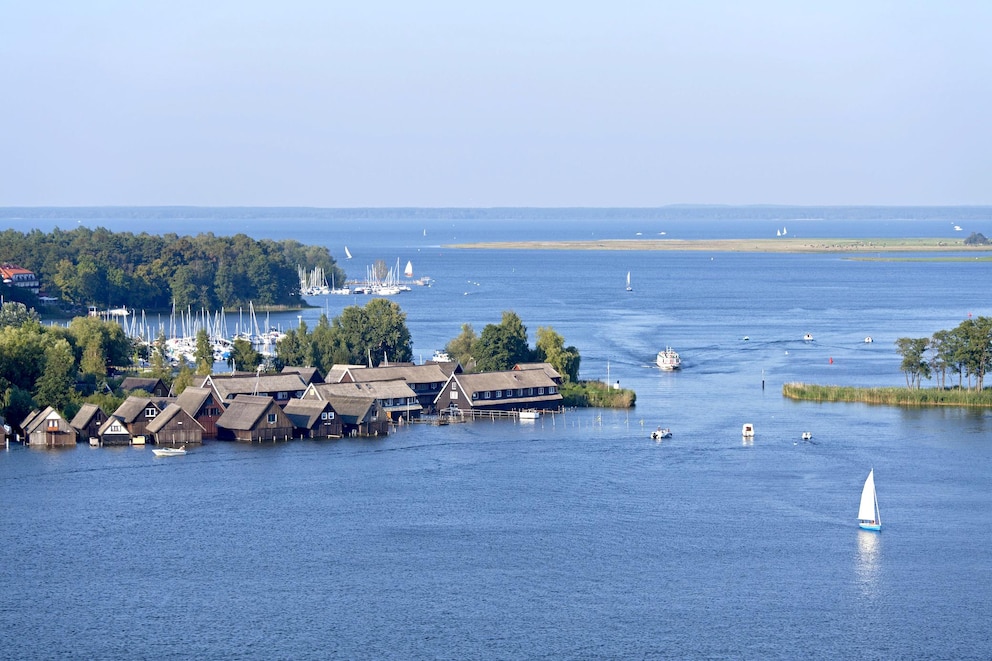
(778, 245)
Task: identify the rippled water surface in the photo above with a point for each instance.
(575, 536)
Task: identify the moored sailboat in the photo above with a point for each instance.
(868, 515)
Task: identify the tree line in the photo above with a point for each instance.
(98, 267)
(965, 351)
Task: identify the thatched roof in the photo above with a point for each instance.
(109, 422)
(244, 412)
(395, 389)
(134, 406)
(191, 400)
(511, 380)
(305, 413)
(228, 388)
(308, 374)
(429, 373)
(166, 416)
(84, 416)
(548, 369)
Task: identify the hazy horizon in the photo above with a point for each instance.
(444, 105)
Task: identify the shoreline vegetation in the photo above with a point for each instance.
(774, 245)
(889, 396)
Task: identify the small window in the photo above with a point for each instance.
(434, 386)
(540, 391)
(151, 412)
(272, 418)
(552, 390)
(53, 424)
(498, 394)
(282, 395)
(489, 394)
(475, 395)
(327, 415)
(530, 391)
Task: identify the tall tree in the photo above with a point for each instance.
(462, 347)
(244, 357)
(503, 345)
(550, 348)
(373, 334)
(55, 385)
(204, 353)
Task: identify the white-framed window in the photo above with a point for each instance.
(271, 418)
(552, 390)
(475, 395)
(540, 391)
(282, 395)
(498, 394)
(489, 394)
(151, 412)
(327, 415)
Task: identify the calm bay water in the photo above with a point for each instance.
(572, 537)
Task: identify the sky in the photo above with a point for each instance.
(464, 104)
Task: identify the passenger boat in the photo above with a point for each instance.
(868, 515)
(660, 433)
(169, 452)
(668, 359)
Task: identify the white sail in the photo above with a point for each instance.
(347, 253)
(867, 510)
(628, 282)
(408, 272)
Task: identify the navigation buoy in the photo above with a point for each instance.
(831, 361)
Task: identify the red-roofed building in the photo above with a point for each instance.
(18, 277)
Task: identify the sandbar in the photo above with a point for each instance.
(778, 245)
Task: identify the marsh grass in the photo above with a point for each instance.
(890, 396)
(596, 394)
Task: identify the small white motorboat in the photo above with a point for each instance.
(807, 435)
(529, 414)
(661, 433)
(169, 452)
(808, 337)
(868, 340)
(747, 431)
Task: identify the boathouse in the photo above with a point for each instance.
(426, 381)
(136, 412)
(548, 369)
(254, 418)
(203, 407)
(307, 374)
(394, 399)
(314, 418)
(87, 421)
(114, 432)
(280, 387)
(48, 428)
(513, 390)
(174, 426)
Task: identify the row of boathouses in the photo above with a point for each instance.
(351, 400)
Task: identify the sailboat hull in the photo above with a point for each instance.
(865, 525)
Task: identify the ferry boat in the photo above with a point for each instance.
(668, 359)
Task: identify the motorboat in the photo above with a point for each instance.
(170, 452)
(808, 337)
(668, 359)
(807, 435)
(747, 431)
(868, 340)
(660, 433)
(529, 414)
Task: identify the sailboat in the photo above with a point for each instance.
(408, 272)
(868, 516)
(629, 288)
(347, 253)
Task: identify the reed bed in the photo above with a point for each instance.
(890, 396)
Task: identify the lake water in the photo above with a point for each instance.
(575, 536)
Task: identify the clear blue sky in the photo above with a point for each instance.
(368, 103)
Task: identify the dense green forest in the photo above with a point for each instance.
(84, 267)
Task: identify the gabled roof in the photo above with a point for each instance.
(308, 374)
(142, 383)
(428, 373)
(352, 410)
(134, 406)
(108, 423)
(28, 420)
(245, 411)
(84, 416)
(395, 389)
(306, 412)
(33, 422)
(548, 369)
(512, 379)
(247, 385)
(338, 372)
(171, 411)
(192, 399)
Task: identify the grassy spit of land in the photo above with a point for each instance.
(779, 245)
(889, 396)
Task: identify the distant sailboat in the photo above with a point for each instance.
(868, 515)
(408, 271)
(347, 253)
(784, 231)
(778, 232)
(629, 288)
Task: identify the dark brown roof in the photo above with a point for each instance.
(141, 383)
(305, 412)
(352, 410)
(84, 416)
(513, 379)
(34, 422)
(548, 369)
(244, 412)
(109, 422)
(308, 374)
(394, 389)
(171, 411)
(134, 406)
(192, 399)
(268, 383)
